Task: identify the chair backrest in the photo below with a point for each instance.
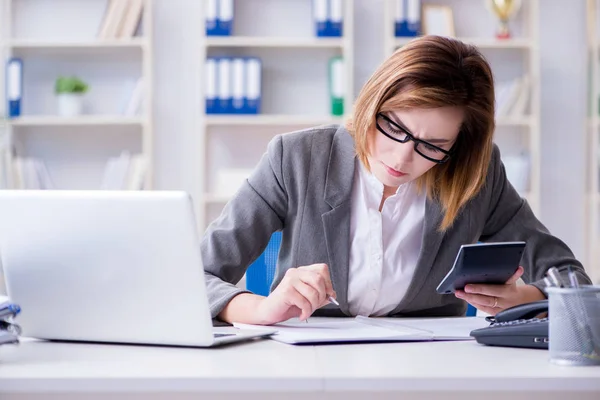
(259, 275)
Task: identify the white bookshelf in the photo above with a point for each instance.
(294, 87)
(509, 58)
(68, 44)
(593, 133)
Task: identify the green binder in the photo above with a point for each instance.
(336, 85)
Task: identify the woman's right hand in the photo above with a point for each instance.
(301, 291)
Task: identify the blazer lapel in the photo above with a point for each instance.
(336, 222)
(432, 238)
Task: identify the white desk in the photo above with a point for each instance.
(267, 370)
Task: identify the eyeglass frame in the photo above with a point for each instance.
(409, 136)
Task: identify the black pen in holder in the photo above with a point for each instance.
(574, 325)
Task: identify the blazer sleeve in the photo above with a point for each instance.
(510, 218)
(243, 230)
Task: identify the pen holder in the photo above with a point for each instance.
(574, 325)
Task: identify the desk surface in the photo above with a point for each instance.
(267, 366)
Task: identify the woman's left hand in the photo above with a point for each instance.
(492, 299)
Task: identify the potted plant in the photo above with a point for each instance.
(69, 92)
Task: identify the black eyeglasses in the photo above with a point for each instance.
(398, 134)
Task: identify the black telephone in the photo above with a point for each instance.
(517, 327)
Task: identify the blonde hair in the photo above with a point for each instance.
(431, 72)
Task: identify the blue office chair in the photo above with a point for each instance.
(261, 272)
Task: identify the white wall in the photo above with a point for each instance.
(564, 109)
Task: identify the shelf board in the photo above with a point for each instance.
(484, 43)
(85, 120)
(90, 45)
(278, 42)
(271, 120)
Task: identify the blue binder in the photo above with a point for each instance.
(253, 88)
(320, 12)
(219, 17)
(224, 93)
(408, 18)
(210, 82)
(225, 17)
(14, 86)
(238, 83)
(211, 17)
(335, 21)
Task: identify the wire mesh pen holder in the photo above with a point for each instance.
(574, 319)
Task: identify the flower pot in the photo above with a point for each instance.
(70, 104)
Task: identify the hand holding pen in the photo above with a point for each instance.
(301, 291)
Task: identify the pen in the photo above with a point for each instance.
(573, 278)
(332, 300)
(555, 277)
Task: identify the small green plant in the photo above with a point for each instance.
(70, 84)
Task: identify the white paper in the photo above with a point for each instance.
(453, 328)
(362, 329)
(345, 330)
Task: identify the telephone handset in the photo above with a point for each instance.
(518, 326)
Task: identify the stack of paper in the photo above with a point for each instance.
(125, 172)
(121, 19)
(31, 173)
(364, 329)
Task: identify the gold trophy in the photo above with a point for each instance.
(504, 10)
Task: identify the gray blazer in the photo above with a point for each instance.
(303, 185)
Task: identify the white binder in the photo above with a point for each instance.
(225, 17)
(336, 18)
(210, 85)
(211, 17)
(14, 86)
(413, 17)
(253, 85)
(224, 86)
(320, 13)
(238, 90)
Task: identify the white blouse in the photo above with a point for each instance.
(384, 246)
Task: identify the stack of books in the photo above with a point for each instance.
(121, 19)
(9, 331)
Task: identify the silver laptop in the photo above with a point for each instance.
(108, 266)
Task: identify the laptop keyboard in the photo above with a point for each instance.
(217, 335)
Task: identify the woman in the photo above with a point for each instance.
(373, 213)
